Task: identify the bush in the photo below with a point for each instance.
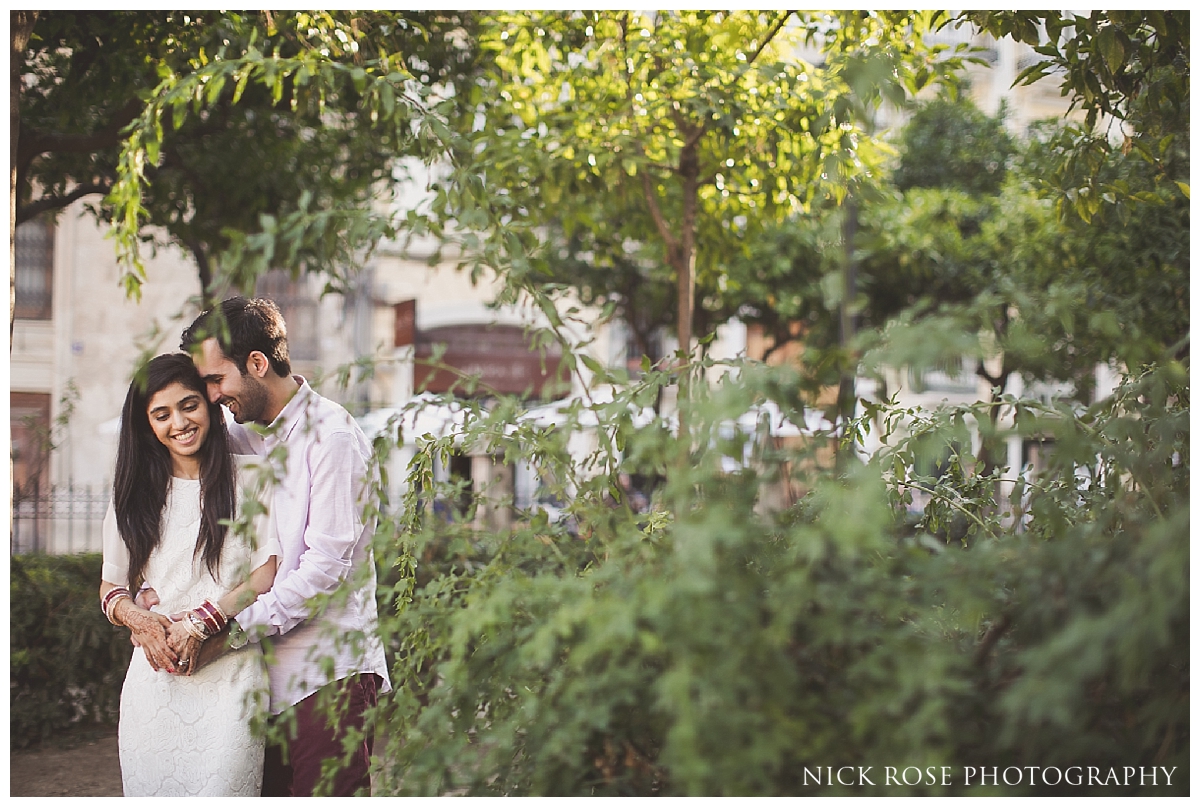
(713, 647)
(66, 661)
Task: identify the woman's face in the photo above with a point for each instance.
(179, 418)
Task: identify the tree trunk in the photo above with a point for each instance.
(846, 325)
(207, 293)
(685, 267)
(21, 29)
(680, 242)
(689, 172)
(992, 450)
(681, 253)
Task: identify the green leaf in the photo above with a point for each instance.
(593, 365)
(213, 90)
(152, 146)
(243, 79)
(1111, 48)
(388, 97)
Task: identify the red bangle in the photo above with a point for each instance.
(113, 592)
(212, 616)
(109, 600)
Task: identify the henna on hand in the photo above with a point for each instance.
(189, 656)
(146, 599)
(150, 630)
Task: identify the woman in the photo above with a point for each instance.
(175, 483)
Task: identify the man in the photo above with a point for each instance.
(240, 350)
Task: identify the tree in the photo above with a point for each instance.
(920, 239)
(1130, 71)
(655, 147)
(952, 144)
(1124, 68)
(942, 240)
(251, 140)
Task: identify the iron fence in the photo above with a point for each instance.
(63, 520)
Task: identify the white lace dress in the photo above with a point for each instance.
(190, 736)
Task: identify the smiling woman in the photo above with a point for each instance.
(183, 731)
(180, 419)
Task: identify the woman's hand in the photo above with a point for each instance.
(150, 631)
(185, 645)
(146, 598)
(178, 636)
(189, 656)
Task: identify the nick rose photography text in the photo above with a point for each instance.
(912, 775)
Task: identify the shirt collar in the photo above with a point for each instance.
(292, 413)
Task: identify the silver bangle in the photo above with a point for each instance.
(195, 627)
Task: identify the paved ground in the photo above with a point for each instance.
(86, 765)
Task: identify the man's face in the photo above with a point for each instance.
(242, 394)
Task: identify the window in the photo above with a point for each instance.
(29, 424)
(499, 356)
(634, 351)
(1036, 453)
(299, 308)
(35, 269)
(956, 374)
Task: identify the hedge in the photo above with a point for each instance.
(66, 661)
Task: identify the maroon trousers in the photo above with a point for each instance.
(312, 741)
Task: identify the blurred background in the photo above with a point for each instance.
(76, 332)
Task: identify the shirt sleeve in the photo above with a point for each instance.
(332, 533)
(116, 555)
(267, 543)
(251, 484)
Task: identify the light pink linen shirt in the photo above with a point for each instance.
(317, 506)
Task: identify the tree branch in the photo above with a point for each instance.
(33, 209)
(990, 638)
(694, 137)
(656, 213)
(203, 268)
(780, 338)
(629, 78)
(770, 35)
(34, 142)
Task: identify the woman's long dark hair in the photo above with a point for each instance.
(143, 473)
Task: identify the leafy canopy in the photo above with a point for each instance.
(652, 147)
(252, 140)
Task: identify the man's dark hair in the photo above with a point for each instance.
(242, 326)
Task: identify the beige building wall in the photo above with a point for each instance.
(85, 353)
(83, 358)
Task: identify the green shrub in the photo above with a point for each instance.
(66, 661)
(713, 647)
